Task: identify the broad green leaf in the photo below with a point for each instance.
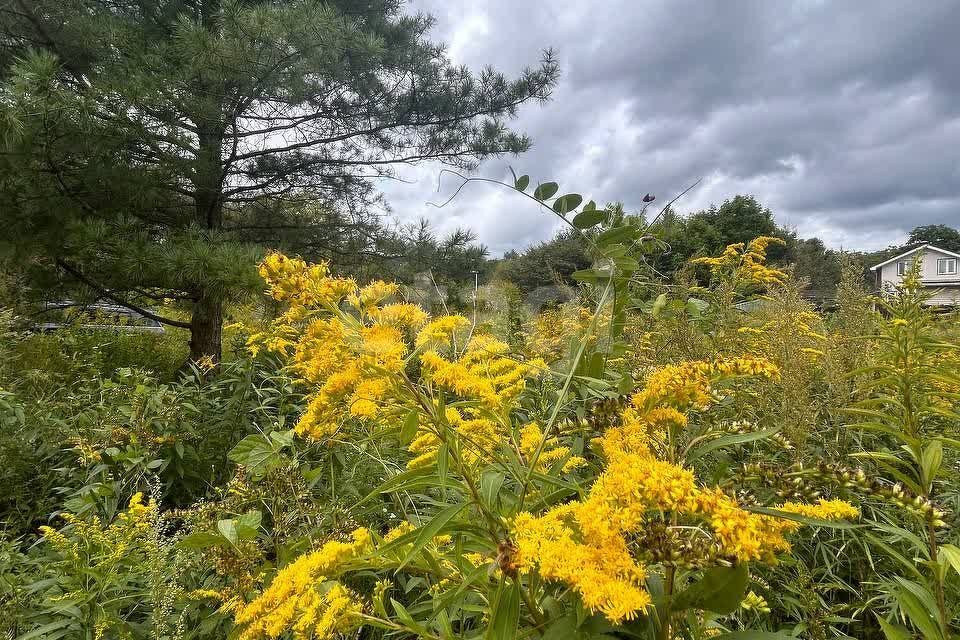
(201, 540)
(563, 628)
(228, 529)
(588, 218)
(410, 425)
(617, 235)
(951, 554)
(505, 613)
(521, 183)
(545, 190)
(248, 523)
(918, 603)
(893, 631)
(931, 460)
(257, 453)
(659, 305)
(720, 590)
(427, 532)
(282, 438)
(567, 203)
(590, 276)
(696, 306)
(241, 528)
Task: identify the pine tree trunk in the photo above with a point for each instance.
(206, 326)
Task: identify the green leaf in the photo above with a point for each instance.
(427, 532)
(893, 631)
(588, 218)
(521, 183)
(567, 203)
(490, 484)
(505, 613)
(917, 602)
(659, 305)
(241, 528)
(401, 481)
(410, 425)
(404, 617)
(720, 590)
(248, 523)
(201, 540)
(618, 235)
(282, 438)
(545, 190)
(951, 554)
(257, 453)
(728, 440)
(931, 460)
(590, 276)
(228, 529)
(45, 630)
(696, 306)
(796, 517)
(563, 628)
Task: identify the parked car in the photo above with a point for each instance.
(96, 315)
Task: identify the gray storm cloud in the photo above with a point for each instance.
(842, 117)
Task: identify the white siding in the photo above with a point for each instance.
(946, 294)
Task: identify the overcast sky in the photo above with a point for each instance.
(842, 117)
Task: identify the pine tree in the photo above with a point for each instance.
(140, 132)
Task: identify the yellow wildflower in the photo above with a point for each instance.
(300, 598)
(438, 332)
(401, 315)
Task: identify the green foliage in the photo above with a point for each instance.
(147, 146)
(864, 408)
(939, 235)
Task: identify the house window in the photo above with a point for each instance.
(901, 268)
(946, 266)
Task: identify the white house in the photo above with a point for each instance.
(939, 272)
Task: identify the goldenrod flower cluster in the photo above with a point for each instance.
(550, 450)
(479, 438)
(784, 333)
(484, 372)
(293, 280)
(602, 571)
(689, 384)
(356, 348)
(352, 358)
(439, 332)
(746, 264)
(584, 544)
(304, 599)
(88, 541)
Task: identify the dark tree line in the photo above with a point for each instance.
(708, 232)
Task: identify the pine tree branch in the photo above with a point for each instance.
(106, 293)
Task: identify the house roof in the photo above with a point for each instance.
(912, 251)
